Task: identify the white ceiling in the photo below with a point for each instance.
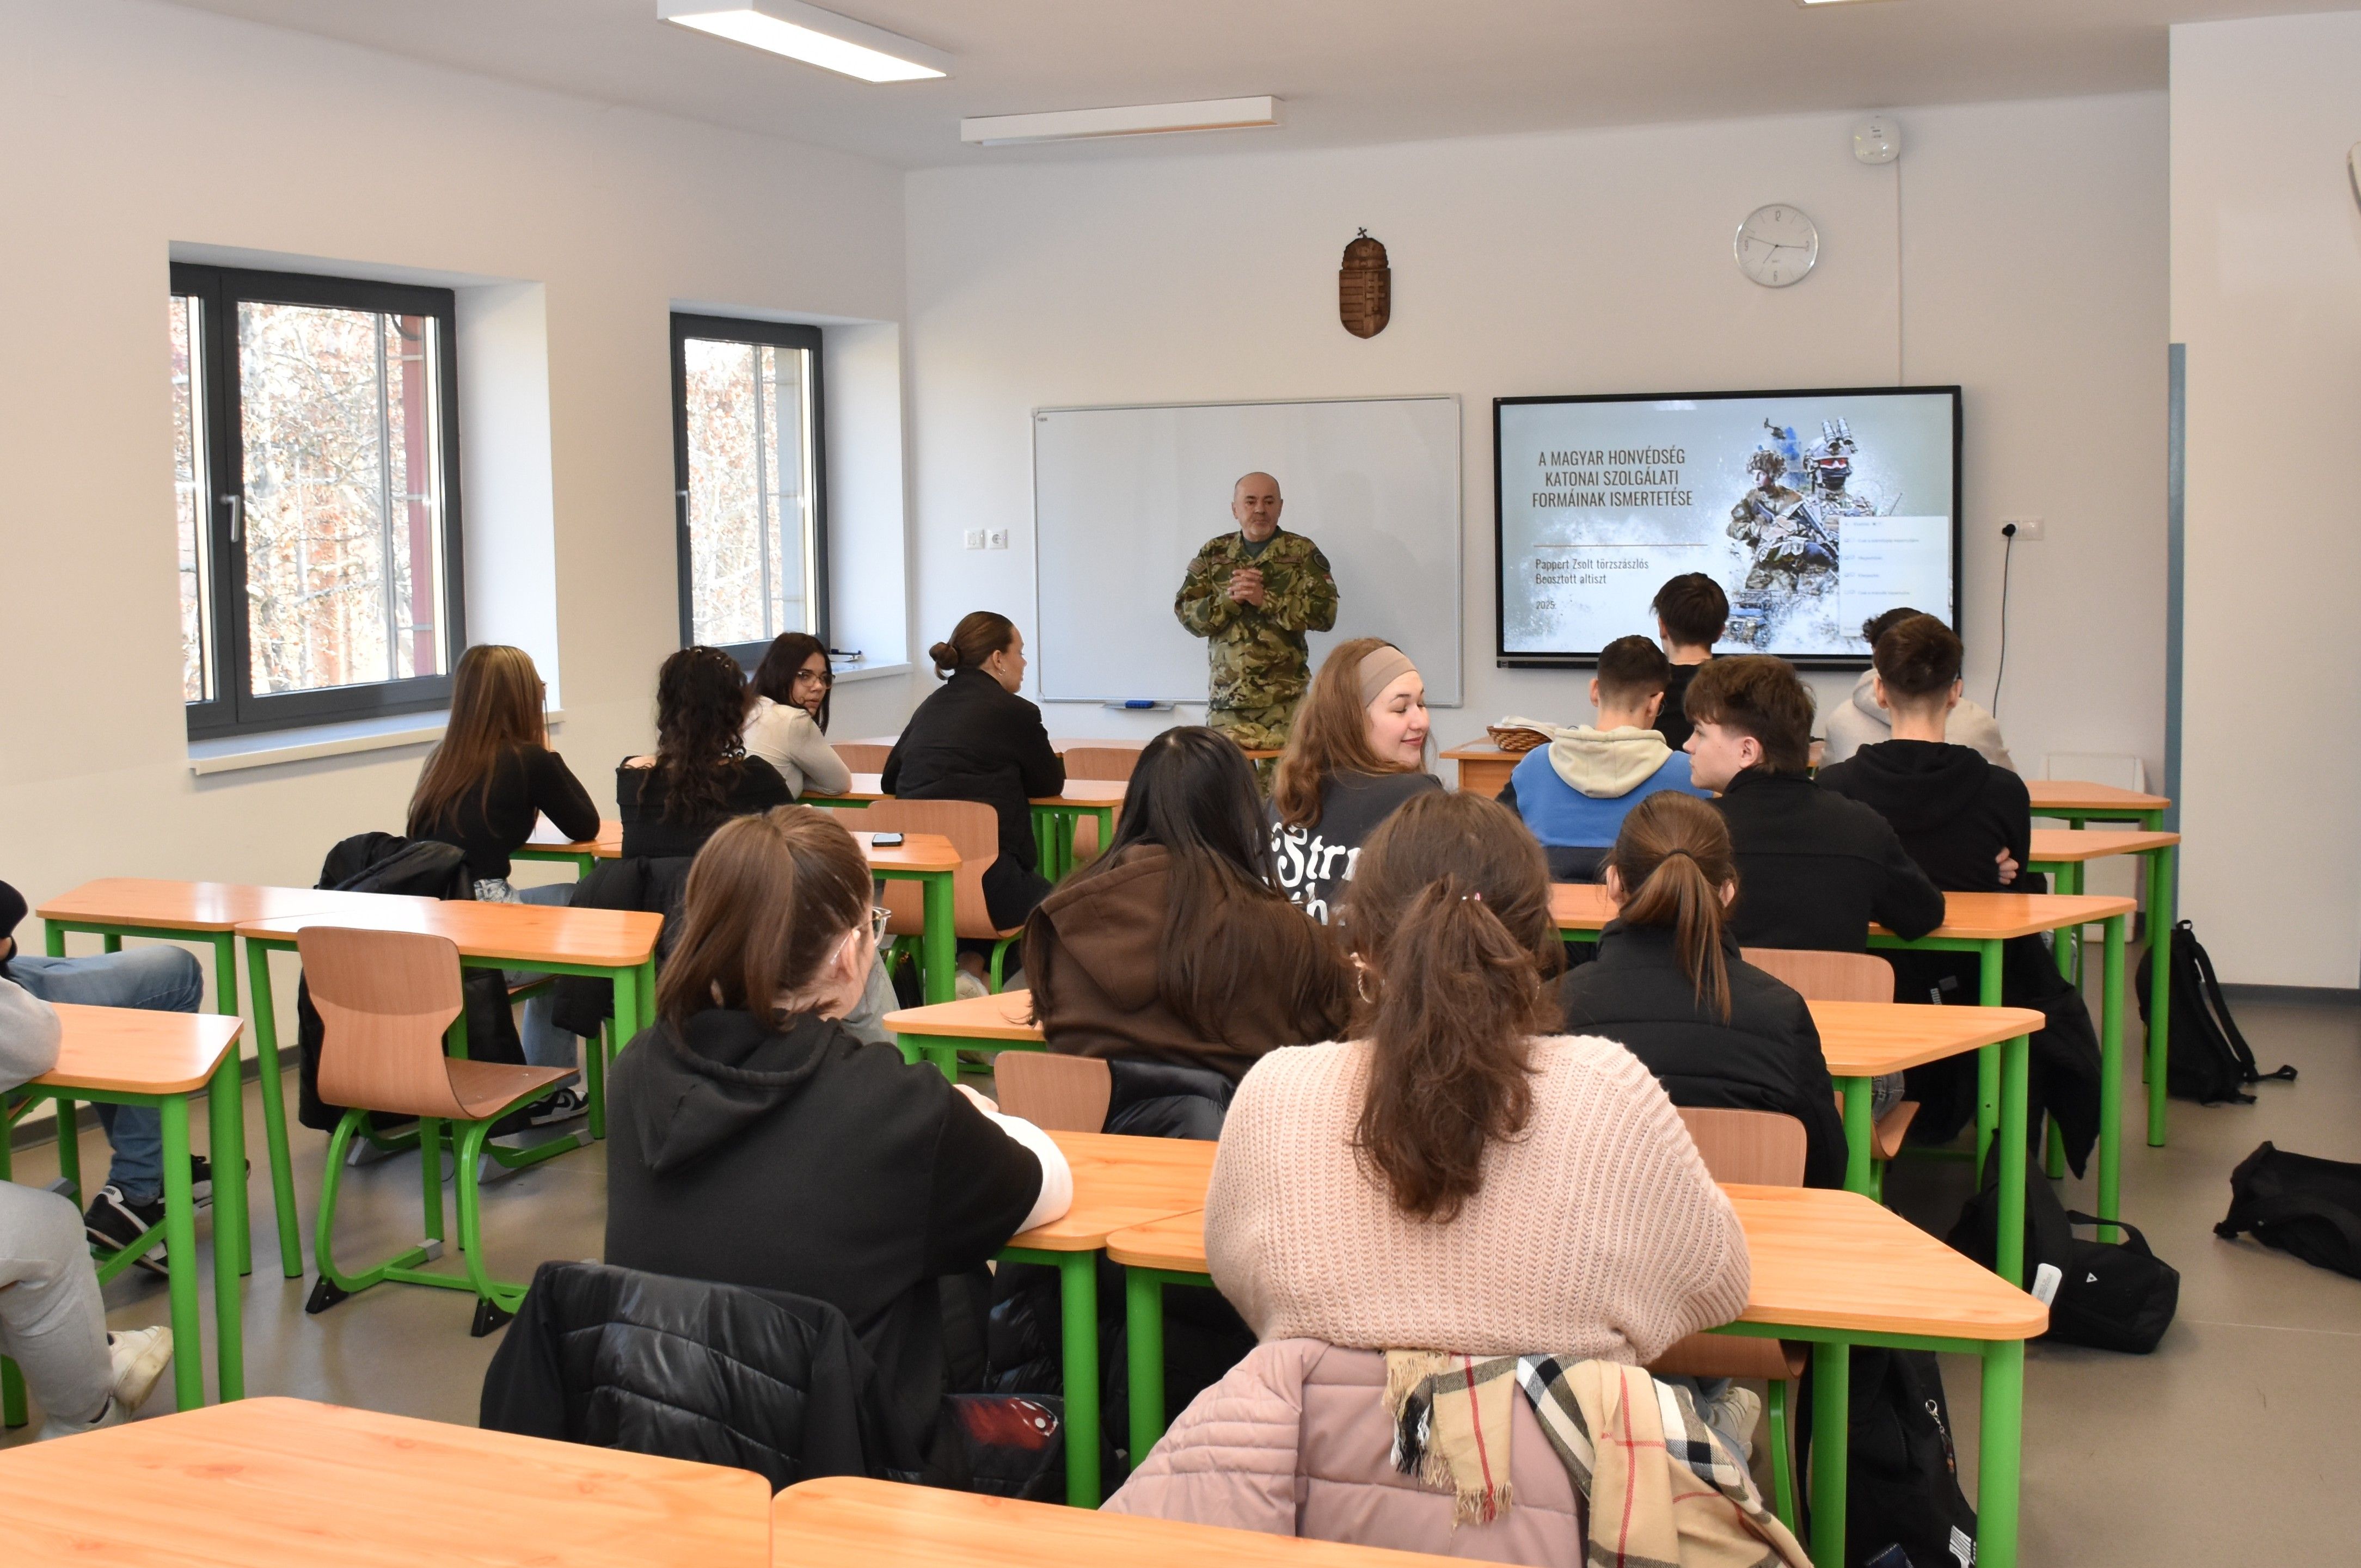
(1351, 71)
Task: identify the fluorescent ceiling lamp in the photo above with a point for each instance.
(1137, 119)
(811, 35)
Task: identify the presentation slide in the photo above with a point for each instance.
(1814, 511)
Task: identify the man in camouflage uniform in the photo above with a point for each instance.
(1253, 595)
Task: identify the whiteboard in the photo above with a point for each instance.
(1122, 498)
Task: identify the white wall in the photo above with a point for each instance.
(2030, 267)
(2266, 295)
(129, 128)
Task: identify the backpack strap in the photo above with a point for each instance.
(2134, 1240)
(2220, 1007)
(2247, 1213)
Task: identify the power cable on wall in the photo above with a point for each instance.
(2007, 549)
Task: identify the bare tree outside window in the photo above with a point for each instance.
(191, 502)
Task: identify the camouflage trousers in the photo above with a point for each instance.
(1256, 728)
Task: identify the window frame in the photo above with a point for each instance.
(776, 334)
(234, 707)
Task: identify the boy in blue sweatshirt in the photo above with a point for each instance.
(1574, 792)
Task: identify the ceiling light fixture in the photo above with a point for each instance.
(811, 35)
(1129, 120)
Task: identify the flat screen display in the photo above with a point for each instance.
(1815, 510)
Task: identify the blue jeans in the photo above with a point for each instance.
(163, 979)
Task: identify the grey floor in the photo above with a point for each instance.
(2236, 1440)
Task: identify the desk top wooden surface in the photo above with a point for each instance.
(192, 906)
(2055, 846)
(849, 1522)
(1822, 1259)
(1004, 1016)
(524, 933)
(917, 852)
(135, 1051)
(1862, 1040)
(1087, 792)
(2077, 794)
(274, 1482)
(1121, 1181)
(1484, 752)
(1969, 917)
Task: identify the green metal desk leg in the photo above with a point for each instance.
(2110, 1079)
(224, 945)
(939, 941)
(627, 1018)
(2161, 915)
(2000, 1453)
(2015, 1056)
(274, 1108)
(53, 938)
(68, 1123)
(1858, 1101)
(1831, 1455)
(225, 1099)
(1988, 1093)
(1144, 1325)
(1078, 1305)
(181, 1256)
(2069, 941)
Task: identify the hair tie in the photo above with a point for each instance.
(1465, 896)
(1381, 667)
(1668, 854)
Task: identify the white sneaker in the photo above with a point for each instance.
(967, 987)
(1733, 1417)
(138, 1358)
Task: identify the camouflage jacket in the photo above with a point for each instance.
(1257, 656)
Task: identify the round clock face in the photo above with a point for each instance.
(1777, 246)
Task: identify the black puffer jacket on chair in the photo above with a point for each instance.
(723, 1374)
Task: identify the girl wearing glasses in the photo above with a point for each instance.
(787, 716)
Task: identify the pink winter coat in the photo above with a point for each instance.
(1296, 1441)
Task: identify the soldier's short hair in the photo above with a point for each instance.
(1631, 670)
(1918, 658)
(1694, 610)
(1756, 694)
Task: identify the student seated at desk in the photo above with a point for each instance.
(700, 776)
(52, 1323)
(1862, 720)
(755, 1142)
(1173, 955)
(163, 979)
(1692, 612)
(1357, 752)
(1669, 984)
(1815, 870)
(1457, 1177)
(787, 716)
(1574, 792)
(974, 738)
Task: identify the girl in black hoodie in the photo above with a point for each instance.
(755, 1142)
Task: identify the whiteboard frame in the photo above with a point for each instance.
(1458, 515)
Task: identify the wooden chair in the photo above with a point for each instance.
(389, 1001)
(1062, 1094)
(1100, 762)
(1760, 1148)
(1842, 977)
(974, 830)
(860, 757)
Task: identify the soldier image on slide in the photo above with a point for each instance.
(1791, 548)
(1253, 594)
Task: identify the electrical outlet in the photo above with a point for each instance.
(975, 538)
(996, 540)
(2026, 526)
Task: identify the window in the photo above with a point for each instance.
(315, 467)
(747, 458)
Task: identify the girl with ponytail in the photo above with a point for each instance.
(1456, 1176)
(1670, 985)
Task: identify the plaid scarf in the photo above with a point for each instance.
(1663, 1491)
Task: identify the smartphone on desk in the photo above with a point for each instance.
(885, 840)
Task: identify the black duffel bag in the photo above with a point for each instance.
(2301, 1204)
(2110, 1295)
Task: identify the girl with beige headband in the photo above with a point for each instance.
(1358, 752)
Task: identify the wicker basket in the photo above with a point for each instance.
(1516, 738)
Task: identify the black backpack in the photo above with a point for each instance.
(2206, 1060)
(2110, 1295)
(1902, 1489)
(2299, 1203)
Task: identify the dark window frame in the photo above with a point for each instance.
(234, 708)
(778, 335)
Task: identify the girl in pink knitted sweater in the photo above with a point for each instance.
(1456, 1179)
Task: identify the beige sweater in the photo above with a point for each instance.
(1597, 1234)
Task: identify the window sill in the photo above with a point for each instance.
(870, 673)
(244, 752)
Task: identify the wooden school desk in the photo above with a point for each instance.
(1831, 1268)
(1118, 1182)
(288, 1484)
(2063, 852)
(938, 1033)
(619, 945)
(851, 1521)
(1054, 816)
(1483, 769)
(116, 907)
(2075, 801)
(125, 1056)
(927, 858)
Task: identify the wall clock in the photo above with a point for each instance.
(1777, 246)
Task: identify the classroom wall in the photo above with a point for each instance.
(2017, 248)
(131, 129)
(2267, 296)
